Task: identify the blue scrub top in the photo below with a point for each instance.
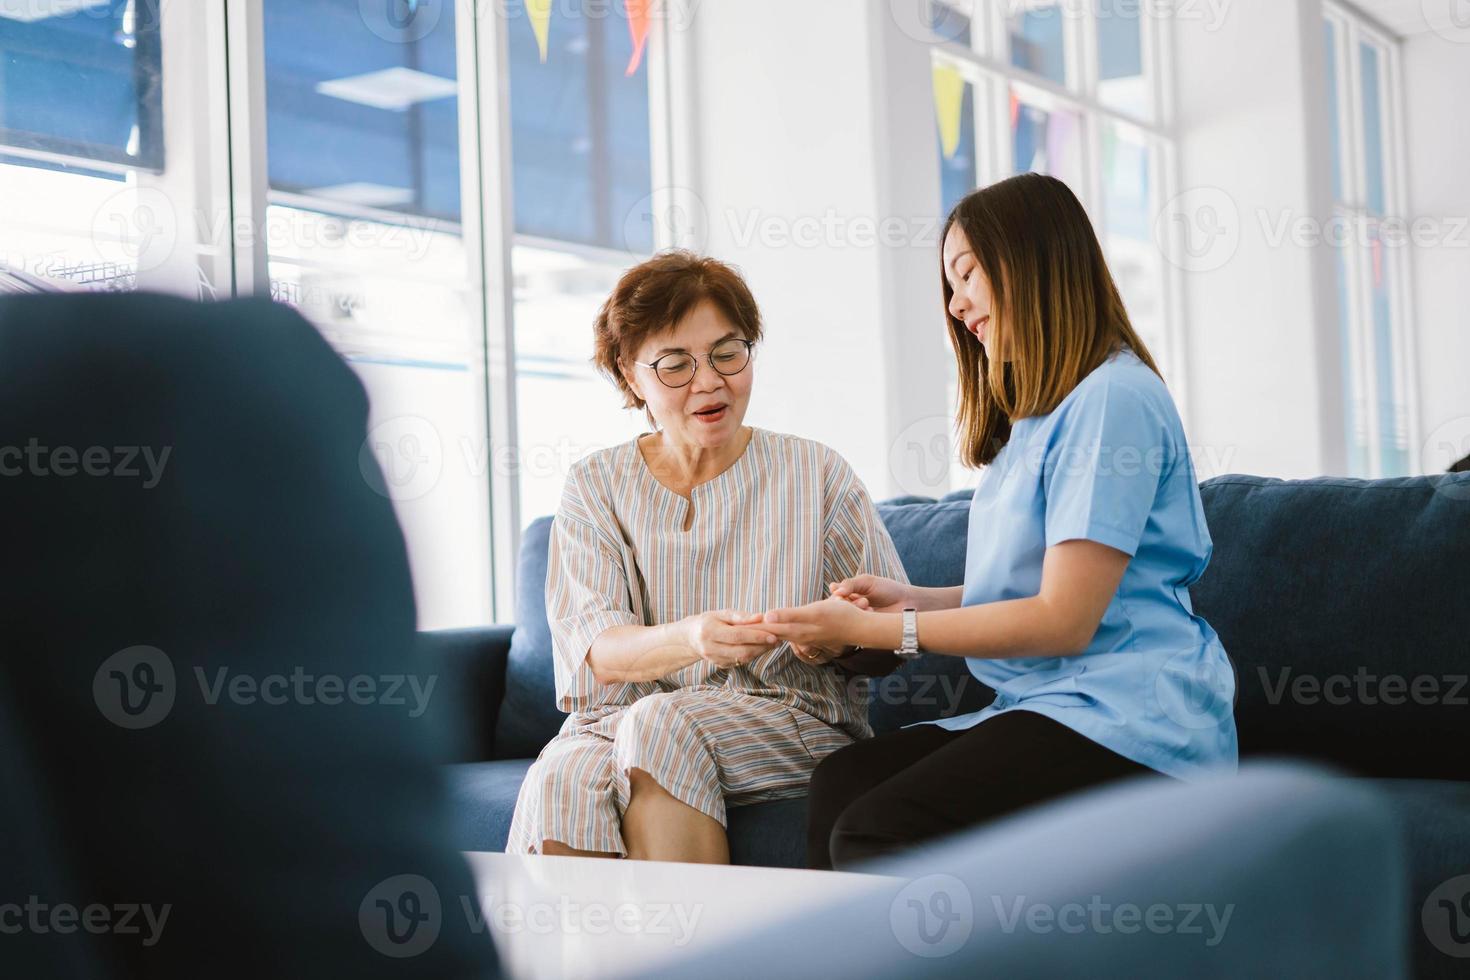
(1109, 464)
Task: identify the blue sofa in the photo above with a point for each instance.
(1342, 603)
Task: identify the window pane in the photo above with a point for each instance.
(950, 20)
(580, 137)
(1037, 38)
(1334, 120)
(1122, 83)
(565, 409)
(583, 187)
(364, 238)
(1373, 130)
(1393, 426)
(83, 81)
(1355, 407)
(1136, 262)
(957, 172)
(1046, 142)
(85, 198)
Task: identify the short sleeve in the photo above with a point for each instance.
(586, 593)
(1103, 465)
(855, 540)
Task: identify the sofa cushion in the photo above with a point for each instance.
(484, 800)
(1343, 606)
(930, 536)
(528, 715)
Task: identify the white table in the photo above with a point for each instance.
(598, 917)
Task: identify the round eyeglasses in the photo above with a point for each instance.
(676, 368)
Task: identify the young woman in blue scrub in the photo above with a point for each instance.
(1085, 533)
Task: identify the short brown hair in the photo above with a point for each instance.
(654, 296)
(1056, 312)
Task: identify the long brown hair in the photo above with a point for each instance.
(1055, 313)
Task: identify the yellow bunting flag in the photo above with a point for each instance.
(540, 13)
(638, 12)
(949, 102)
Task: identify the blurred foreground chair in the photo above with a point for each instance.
(1282, 871)
(190, 528)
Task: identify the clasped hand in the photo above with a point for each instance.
(818, 632)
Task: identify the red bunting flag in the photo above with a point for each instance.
(639, 14)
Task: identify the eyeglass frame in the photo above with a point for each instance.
(709, 356)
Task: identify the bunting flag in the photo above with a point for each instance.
(949, 104)
(639, 13)
(540, 13)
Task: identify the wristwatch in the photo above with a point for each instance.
(910, 648)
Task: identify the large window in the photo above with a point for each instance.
(1074, 90)
(91, 199)
(583, 177)
(364, 233)
(447, 190)
(1369, 236)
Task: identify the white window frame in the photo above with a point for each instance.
(1353, 30)
(214, 119)
(986, 65)
(488, 222)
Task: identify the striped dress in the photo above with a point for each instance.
(788, 517)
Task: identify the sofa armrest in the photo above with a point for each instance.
(471, 666)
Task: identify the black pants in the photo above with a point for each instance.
(884, 794)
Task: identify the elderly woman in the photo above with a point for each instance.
(664, 555)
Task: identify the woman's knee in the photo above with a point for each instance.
(865, 830)
(842, 777)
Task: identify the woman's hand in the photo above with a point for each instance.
(827, 624)
(874, 592)
(815, 655)
(818, 656)
(727, 638)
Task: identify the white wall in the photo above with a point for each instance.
(816, 118)
(814, 145)
(1259, 311)
(1436, 81)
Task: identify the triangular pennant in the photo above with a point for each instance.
(539, 11)
(949, 104)
(639, 13)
